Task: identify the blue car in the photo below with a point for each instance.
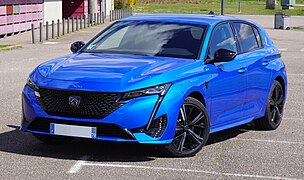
(163, 79)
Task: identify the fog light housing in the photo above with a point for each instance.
(157, 126)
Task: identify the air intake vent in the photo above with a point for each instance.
(157, 126)
(103, 129)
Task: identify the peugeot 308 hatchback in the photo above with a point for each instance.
(159, 79)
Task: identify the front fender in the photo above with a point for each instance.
(176, 95)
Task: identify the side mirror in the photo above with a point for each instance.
(76, 46)
(224, 55)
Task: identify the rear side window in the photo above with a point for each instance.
(246, 37)
(258, 37)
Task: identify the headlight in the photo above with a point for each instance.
(160, 90)
(30, 83)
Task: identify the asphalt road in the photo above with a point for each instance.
(238, 153)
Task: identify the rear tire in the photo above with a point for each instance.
(274, 109)
(192, 129)
(52, 139)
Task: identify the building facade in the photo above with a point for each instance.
(52, 10)
(17, 15)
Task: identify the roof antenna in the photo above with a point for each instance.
(211, 13)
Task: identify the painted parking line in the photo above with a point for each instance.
(297, 119)
(282, 49)
(267, 141)
(285, 49)
(50, 43)
(297, 102)
(126, 166)
(77, 166)
(295, 89)
(295, 74)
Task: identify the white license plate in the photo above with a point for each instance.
(71, 130)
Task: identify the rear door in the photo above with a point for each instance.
(228, 86)
(258, 74)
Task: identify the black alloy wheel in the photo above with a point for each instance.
(192, 129)
(274, 109)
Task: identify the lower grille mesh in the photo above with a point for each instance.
(103, 129)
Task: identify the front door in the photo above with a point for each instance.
(228, 86)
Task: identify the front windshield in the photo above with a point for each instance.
(150, 38)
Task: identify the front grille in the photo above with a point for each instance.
(92, 104)
(103, 129)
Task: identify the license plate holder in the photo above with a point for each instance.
(73, 130)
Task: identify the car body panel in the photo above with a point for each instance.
(110, 68)
(230, 97)
(228, 91)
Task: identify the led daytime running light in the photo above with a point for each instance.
(30, 83)
(160, 90)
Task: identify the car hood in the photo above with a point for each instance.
(109, 68)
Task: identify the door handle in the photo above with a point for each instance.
(265, 63)
(242, 70)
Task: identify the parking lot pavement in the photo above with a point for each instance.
(238, 153)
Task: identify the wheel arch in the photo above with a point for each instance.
(281, 80)
(197, 95)
(200, 93)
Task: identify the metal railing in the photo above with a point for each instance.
(120, 13)
(55, 29)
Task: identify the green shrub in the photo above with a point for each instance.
(131, 3)
(119, 4)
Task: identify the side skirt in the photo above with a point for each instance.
(221, 127)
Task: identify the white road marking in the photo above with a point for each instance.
(298, 119)
(282, 49)
(51, 43)
(185, 170)
(294, 74)
(77, 166)
(294, 89)
(268, 141)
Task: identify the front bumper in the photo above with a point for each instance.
(131, 119)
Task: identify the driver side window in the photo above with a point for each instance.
(221, 38)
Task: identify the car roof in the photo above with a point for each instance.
(202, 19)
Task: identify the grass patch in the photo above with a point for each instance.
(298, 28)
(204, 6)
(5, 47)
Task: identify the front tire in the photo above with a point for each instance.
(192, 129)
(274, 109)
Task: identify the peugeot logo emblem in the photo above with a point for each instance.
(74, 101)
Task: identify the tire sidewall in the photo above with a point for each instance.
(268, 114)
(170, 147)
